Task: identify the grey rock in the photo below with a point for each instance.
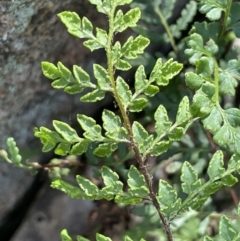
(52, 212)
(13, 186)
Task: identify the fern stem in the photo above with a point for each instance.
(127, 124)
(167, 28)
(226, 14)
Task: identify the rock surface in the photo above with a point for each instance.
(53, 212)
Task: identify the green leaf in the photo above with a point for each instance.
(135, 178)
(166, 194)
(206, 238)
(102, 36)
(86, 122)
(183, 113)
(141, 137)
(133, 47)
(59, 83)
(136, 182)
(93, 96)
(122, 65)
(126, 238)
(228, 78)
(118, 136)
(73, 89)
(95, 134)
(69, 189)
(167, 10)
(118, 20)
(93, 131)
(223, 124)
(81, 238)
(187, 15)
(162, 73)
(237, 237)
(65, 236)
(105, 149)
(223, 132)
(138, 104)
(202, 105)
(4, 155)
(197, 47)
(82, 77)
(167, 198)
(96, 2)
(123, 91)
(80, 148)
(215, 167)
(65, 72)
(205, 68)
(227, 84)
(130, 19)
(233, 116)
(100, 237)
(109, 177)
(176, 134)
(229, 180)
(214, 14)
(139, 192)
(151, 90)
(234, 163)
(189, 178)
(213, 121)
(87, 26)
(194, 81)
(50, 70)
(209, 90)
(76, 27)
(111, 180)
(226, 231)
(92, 44)
(159, 148)
(163, 124)
(48, 146)
(89, 188)
(107, 193)
(128, 199)
(47, 135)
(103, 7)
(13, 151)
(116, 52)
(213, 9)
(102, 77)
(140, 79)
(62, 149)
(123, 2)
(66, 131)
(111, 122)
(48, 138)
(113, 126)
(207, 30)
(72, 22)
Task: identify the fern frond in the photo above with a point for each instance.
(187, 15)
(167, 8)
(213, 8)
